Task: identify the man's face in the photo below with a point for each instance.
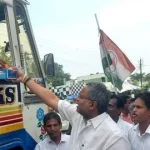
(113, 111)
(131, 113)
(53, 128)
(83, 103)
(140, 112)
(126, 106)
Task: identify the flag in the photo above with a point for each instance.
(115, 63)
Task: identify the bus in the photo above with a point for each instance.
(21, 112)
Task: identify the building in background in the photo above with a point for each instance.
(98, 77)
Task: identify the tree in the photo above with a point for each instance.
(32, 70)
(5, 55)
(136, 78)
(59, 77)
(147, 80)
(139, 78)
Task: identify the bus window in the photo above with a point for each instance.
(26, 41)
(5, 52)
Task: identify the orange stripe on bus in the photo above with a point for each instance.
(11, 128)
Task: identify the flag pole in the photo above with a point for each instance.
(105, 51)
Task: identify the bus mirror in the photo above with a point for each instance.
(49, 65)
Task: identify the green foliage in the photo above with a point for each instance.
(136, 79)
(59, 77)
(5, 55)
(147, 80)
(32, 69)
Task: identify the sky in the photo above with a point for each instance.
(67, 28)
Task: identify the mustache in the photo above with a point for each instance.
(134, 114)
(52, 131)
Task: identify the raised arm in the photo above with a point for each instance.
(44, 94)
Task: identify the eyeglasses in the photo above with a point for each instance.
(81, 97)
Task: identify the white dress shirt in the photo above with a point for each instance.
(138, 141)
(125, 126)
(48, 144)
(99, 133)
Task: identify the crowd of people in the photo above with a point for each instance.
(99, 121)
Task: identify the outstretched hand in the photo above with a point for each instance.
(20, 74)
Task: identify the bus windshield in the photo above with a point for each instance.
(26, 42)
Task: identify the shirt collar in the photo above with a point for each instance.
(63, 138)
(136, 128)
(148, 130)
(98, 120)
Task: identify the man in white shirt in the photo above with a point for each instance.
(139, 135)
(92, 128)
(55, 140)
(114, 110)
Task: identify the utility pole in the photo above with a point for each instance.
(141, 73)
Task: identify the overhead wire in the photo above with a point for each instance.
(47, 42)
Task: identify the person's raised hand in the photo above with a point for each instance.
(20, 74)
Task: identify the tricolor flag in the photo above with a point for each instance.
(115, 62)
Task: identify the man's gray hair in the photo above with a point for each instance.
(99, 93)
